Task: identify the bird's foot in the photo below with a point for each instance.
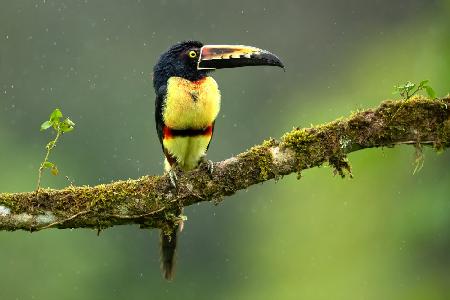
(173, 178)
(209, 165)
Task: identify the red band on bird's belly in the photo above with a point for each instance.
(208, 131)
(169, 133)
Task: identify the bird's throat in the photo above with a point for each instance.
(191, 104)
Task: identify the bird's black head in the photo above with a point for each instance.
(180, 60)
(192, 60)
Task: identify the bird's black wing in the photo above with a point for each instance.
(159, 103)
(212, 133)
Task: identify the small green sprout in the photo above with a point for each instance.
(409, 89)
(60, 126)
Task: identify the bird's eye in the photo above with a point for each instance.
(192, 54)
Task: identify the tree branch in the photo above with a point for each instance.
(150, 201)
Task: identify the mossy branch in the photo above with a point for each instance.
(149, 201)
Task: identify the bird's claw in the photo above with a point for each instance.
(173, 178)
(209, 166)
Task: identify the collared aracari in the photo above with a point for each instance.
(187, 104)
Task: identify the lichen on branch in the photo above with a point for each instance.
(150, 200)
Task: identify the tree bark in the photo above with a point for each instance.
(151, 201)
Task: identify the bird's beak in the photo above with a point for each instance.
(233, 56)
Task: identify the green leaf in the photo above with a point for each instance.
(55, 116)
(46, 125)
(54, 170)
(67, 125)
(430, 92)
(423, 83)
(47, 165)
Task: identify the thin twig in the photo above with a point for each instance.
(50, 146)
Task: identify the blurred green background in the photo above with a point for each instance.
(383, 235)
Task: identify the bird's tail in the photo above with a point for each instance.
(168, 247)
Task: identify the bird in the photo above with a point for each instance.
(186, 107)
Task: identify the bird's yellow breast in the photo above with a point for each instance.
(188, 104)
